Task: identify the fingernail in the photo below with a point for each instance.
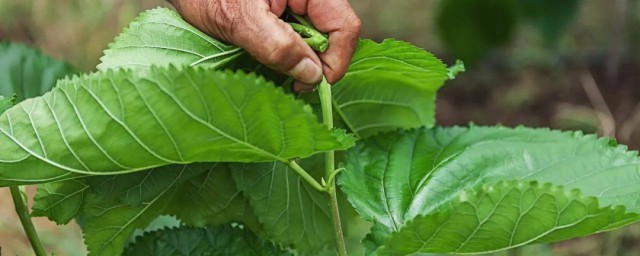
(306, 71)
(302, 87)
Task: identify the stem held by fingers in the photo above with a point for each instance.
(312, 37)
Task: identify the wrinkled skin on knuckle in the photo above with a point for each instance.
(223, 17)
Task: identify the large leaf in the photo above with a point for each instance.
(26, 72)
(60, 201)
(397, 179)
(225, 240)
(292, 212)
(388, 86)
(161, 37)
(118, 122)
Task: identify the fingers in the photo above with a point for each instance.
(337, 18)
(255, 27)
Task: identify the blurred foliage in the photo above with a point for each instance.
(550, 17)
(470, 28)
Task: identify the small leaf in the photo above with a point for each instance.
(395, 178)
(6, 103)
(161, 37)
(60, 201)
(26, 72)
(388, 86)
(85, 126)
(505, 215)
(292, 212)
(225, 240)
(456, 69)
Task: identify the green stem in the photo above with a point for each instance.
(329, 160)
(312, 37)
(293, 165)
(23, 214)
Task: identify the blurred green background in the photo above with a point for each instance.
(566, 64)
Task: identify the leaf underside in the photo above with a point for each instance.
(119, 122)
(60, 201)
(161, 37)
(402, 180)
(389, 85)
(292, 212)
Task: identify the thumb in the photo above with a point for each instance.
(275, 44)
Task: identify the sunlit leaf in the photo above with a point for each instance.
(396, 179)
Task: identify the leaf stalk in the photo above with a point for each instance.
(23, 213)
(305, 175)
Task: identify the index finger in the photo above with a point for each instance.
(336, 18)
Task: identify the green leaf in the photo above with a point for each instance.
(60, 201)
(471, 28)
(388, 86)
(212, 198)
(394, 80)
(135, 188)
(505, 215)
(292, 212)
(161, 37)
(85, 126)
(225, 240)
(107, 223)
(396, 178)
(26, 72)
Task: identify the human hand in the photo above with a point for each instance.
(254, 25)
